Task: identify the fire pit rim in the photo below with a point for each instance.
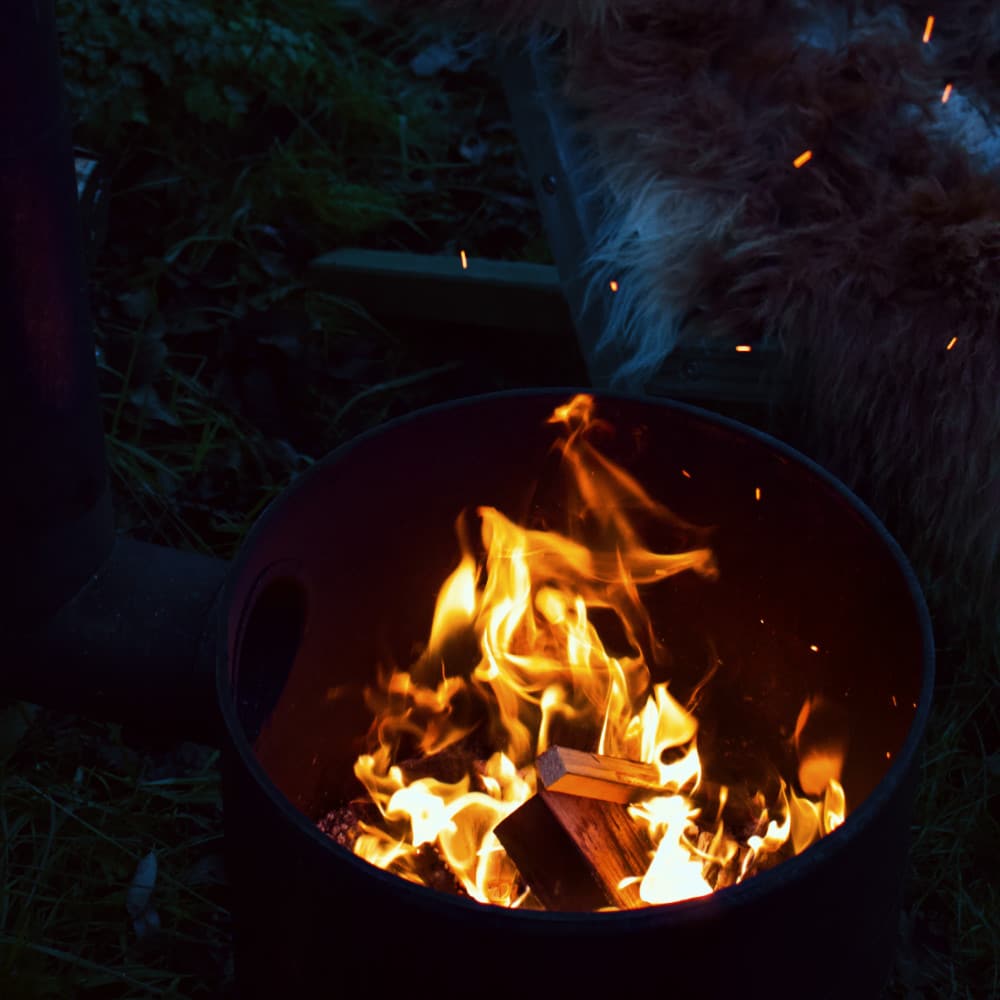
(738, 896)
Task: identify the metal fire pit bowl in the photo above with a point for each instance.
(343, 570)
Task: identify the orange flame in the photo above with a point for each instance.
(538, 665)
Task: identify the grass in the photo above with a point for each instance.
(224, 374)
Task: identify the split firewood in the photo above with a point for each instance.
(614, 779)
(595, 776)
(575, 852)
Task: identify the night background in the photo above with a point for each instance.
(221, 149)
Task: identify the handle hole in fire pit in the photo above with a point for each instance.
(270, 640)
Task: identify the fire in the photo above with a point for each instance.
(514, 660)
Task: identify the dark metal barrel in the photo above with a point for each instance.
(342, 573)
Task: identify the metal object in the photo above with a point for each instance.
(92, 196)
(134, 644)
(55, 499)
(342, 573)
(544, 127)
(110, 627)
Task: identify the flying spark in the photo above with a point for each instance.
(465, 261)
(614, 286)
(929, 27)
(951, 343)
(946, 94)
(803, 158)
(743, 348)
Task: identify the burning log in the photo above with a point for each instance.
(593, 776)
(575, 852)
(614, 779)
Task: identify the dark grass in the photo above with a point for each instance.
(224, 374)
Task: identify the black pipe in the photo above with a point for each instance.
(55, 501)
(136, 644)
(115, 629)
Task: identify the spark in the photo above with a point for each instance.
(888, 756)
(756, 493)
(894, 703)
(685, 473)
(946, 94)
(614, 286)
(465, 260)
(743, 348)
(951, 343)
(815, 649)
(803, 158)
(928, 28)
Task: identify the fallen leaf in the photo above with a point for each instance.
(138, 899)
(147, 400)
(474, 148)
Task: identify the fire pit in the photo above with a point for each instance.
(718, 657)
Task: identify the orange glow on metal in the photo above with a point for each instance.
(465, 260)
(614, 286)
(743, 348)
(946, 94)
(928, 28)
(803, 158)
(951, 343)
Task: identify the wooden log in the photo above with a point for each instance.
(574, 852)
(614, 779)
(509, 295)
(594, 776)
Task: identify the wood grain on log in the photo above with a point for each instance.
(574, 852)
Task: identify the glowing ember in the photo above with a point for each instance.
(803, 158)
(951, 343)
(928, 29)
(465, 260)
(614, 286)
(514, 657)
(946, 94)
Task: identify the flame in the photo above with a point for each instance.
(514, 656)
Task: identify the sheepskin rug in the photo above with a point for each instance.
(874, 266)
